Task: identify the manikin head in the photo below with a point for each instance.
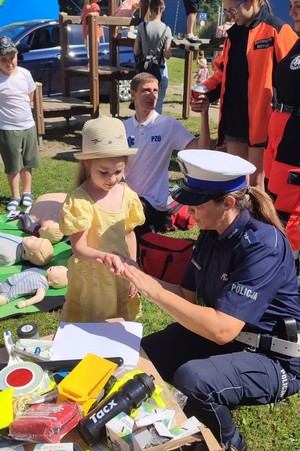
(51, 232)
(57, 276)
(39, 251)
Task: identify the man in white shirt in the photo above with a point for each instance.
(157, 136)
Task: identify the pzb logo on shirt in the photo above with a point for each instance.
(155, 138)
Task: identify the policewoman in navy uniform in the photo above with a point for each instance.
(237, 310)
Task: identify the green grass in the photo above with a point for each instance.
(265, 428)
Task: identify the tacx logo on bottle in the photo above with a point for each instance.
(131, 141)
(155, 138)
(102, 412)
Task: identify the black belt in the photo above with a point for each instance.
(287, 109)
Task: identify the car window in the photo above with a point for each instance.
(12, 31)
(41, 38)
(75, 35)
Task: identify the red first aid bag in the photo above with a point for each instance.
(164, 257)
(181, 219)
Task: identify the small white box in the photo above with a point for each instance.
(119, 432)
(189, 427)
(140, 439)
(148, 414)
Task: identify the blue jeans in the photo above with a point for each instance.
(162, 89)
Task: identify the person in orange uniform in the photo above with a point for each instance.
(243, 79)
(90, 6)
(282, 155)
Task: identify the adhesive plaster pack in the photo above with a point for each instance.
(54, 447)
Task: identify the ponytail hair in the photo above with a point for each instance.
(262, 208)
(157, 6)
(258, 203)
(265, 2)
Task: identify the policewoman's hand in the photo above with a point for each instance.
(146, 285)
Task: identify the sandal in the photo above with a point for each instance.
(27, 200)
(13, 204)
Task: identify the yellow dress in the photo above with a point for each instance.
(94, 293)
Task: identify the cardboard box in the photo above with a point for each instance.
(123, 436)
(205, 436)
(119, 432)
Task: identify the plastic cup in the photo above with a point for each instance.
(197, 90)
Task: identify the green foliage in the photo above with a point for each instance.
(72, 7)
(53, 176)
(211, 8)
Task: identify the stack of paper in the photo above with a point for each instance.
(115, 339)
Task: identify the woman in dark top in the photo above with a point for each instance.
(282, 155)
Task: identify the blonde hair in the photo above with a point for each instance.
(83, 172)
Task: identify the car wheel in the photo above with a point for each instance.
(124, 90)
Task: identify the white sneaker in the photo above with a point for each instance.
(192, 38)
(131, 35)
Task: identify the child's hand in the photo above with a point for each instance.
(132, 290)
(21, 304)
(113, 262)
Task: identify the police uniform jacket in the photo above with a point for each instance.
(248, 272)
(244, 77)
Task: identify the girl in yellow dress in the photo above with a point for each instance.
(100, 217)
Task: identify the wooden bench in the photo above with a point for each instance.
(47, 107)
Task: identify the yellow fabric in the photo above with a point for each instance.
(94, 293)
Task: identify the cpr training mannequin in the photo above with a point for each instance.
(14, 249)
(32, 282)
(43, 217)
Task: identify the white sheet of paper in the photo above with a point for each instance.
(116, 339)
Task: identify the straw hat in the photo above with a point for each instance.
(104, 137)
(203, 62)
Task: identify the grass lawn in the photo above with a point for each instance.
(265, 428)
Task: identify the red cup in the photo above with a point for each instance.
(197, 90)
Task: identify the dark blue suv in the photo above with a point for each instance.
(39, 52)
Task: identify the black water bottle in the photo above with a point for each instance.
(129, 396)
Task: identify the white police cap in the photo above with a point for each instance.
(209, 174)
